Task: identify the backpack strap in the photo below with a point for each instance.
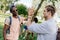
(8, 30)
(10, 20)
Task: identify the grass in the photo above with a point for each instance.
(1, 32)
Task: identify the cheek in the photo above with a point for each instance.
(16, 12)
(45, 14)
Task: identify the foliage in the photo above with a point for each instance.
(22, 9)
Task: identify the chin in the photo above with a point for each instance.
(14, 15)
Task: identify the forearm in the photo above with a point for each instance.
(4, 34)
(29, 21)
(4, 31)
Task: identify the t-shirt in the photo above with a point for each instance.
(14, 28)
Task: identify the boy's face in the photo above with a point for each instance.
(46, 14)
(14, 11)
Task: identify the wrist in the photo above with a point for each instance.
(30, 17)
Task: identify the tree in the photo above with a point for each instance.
(37, 9)
(22, 9)
(53, 2)
(39, 5)
(6, 4)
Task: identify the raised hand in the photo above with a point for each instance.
(31, 12)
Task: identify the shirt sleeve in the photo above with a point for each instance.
(7, 21)
(38, 28)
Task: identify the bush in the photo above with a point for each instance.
(22, 10)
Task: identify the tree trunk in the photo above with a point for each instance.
(37, 9)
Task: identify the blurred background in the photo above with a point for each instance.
(22, 6)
